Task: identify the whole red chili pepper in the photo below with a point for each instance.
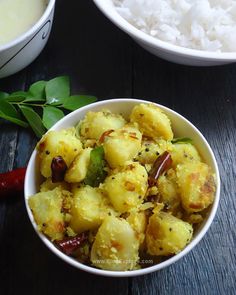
(58, 168)
(69, 245)
(162, 163)
(12, 182)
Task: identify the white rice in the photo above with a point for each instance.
(208, 25)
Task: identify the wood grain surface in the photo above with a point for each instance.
(103, 61)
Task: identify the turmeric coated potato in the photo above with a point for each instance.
(88, 209)
(96, 123)
(79, 167)
(167, 234)
(62, 143)
(196, 185)
(126, 188)
(152, 121)
(47, 210)
(183, 152)
(115, 246)
(122, 145)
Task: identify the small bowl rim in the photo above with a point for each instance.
(162, 265)
(29, 32)
(131, 30)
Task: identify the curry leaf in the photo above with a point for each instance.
(51, 115)
(19, 93)
(57, 89)
(3, 95)
(96, 173)
(34, 120)
(17, 96)
(13, 120)
(8, 112)
(37, 90)
(8, 109)
(182, 140)
(77, 101)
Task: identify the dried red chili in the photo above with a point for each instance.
(58, 168)
(12, 182)
(162, 163)
(69, 245)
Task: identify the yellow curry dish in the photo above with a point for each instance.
(121, 194)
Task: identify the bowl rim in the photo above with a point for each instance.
(131, 30)
(143, 271)
(29, 32)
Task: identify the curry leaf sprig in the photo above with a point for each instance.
(42, 105)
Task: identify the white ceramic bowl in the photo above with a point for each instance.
(19, 53)
(181, 127)
(163, 49)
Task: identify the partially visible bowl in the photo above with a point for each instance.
(163, 49)
(181, 127)
(19, 53)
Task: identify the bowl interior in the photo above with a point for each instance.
(181, 128)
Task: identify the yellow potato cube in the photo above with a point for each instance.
(196, 185)
(152, 121)
(122, 145)
(115, 246)
(88, 209)
(167, 234)
(183, 152)
(96, 123)
(46, 208)
(79, 167)
(126, 189)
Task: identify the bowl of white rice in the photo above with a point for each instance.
(190, 32)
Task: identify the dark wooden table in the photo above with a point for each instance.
(102, 60)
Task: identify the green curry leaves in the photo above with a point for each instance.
(42, 105)
(96, 173)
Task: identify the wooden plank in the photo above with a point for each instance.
(8, 131)
(8, 141)
(25, 146)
